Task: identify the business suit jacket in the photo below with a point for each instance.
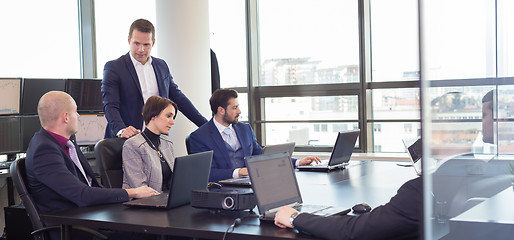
(142, 164)
(56, 183)
(123, 99)
(398, 219)
(207, 137)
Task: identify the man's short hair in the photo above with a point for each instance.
(488, 97)
(154, 106)
(144, 26)
(220, 98)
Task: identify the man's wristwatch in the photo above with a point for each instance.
(292, 217)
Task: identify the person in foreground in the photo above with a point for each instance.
(230, 139)
(132, 78)
(148, 156)
(400, 218)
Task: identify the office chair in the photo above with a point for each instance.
(109, 161)
(188, 144)
(19, 176)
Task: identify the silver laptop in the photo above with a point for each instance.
(277, 148)
(341, 153)
(414, 149)
(182, 182)
(274, 185)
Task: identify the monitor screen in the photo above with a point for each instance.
(29, 126)
(10, 137)
(10, 89)
(87, 93)
(33, 89)
(91, 129)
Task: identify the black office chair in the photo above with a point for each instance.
(19, 176)
(188, 144)
(109, 161)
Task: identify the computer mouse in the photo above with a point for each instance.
(361, 208)
(213, 185)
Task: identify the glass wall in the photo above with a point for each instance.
(467, 94)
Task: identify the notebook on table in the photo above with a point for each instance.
(182, 182)
(277, 148)
(274, 185)
(341, 153)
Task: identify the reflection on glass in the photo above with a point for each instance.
(306, 134)
(311, 108)
(394, 40)
(295, 49)
(505, 38)
(228, 40)
(395, 103)
(387, 137)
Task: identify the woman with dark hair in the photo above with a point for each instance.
(148, 156)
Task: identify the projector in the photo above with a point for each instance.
(224, 199)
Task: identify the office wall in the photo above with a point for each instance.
(186, 50)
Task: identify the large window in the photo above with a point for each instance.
(40, 39)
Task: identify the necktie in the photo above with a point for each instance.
(230, 138)
(75, 158)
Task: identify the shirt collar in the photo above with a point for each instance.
(60, 139)
(220, 127)
(136, 62)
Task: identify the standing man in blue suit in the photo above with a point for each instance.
(230, 139)
(134, 77)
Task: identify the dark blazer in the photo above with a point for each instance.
(398, 219)
(56, 183)
(123, 99)
(207, 137)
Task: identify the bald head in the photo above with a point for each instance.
(52, 105)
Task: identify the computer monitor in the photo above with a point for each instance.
(33, 89)
(91, 129)
(29, 126)
(10, 136)
(10, 90)
(87, 94)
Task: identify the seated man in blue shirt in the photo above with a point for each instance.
(230, 139)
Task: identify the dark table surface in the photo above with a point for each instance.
(372, 182)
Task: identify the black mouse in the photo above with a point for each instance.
(213, 185)
(361, 208)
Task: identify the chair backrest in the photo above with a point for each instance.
(19, 177)
(188, 144)
(109, 161)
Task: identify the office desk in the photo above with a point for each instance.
(363, 181)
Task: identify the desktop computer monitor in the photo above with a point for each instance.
(91, 129)
(33, 89)
(87, 94)
(10, 136)
(29, 126)
(10, 90)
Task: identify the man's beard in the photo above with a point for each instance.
(226, 119)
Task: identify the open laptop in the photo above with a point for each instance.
(182, 182)
(274, 185)
(341, 153)
(414, 149)
(277, 148)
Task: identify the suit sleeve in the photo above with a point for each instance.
(256, 148)
(398, 219)
(111, 98)
(185, 105)
(133, 168)
(217, 173)
(50, 169)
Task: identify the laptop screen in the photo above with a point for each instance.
(343, 148)
(273, 180)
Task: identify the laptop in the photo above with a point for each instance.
(414, 149)
(274, 185)
(182, 182)
(341, 153)
(277, 148)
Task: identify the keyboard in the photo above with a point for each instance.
(5, 165)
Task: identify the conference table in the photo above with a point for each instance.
(363, 181)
